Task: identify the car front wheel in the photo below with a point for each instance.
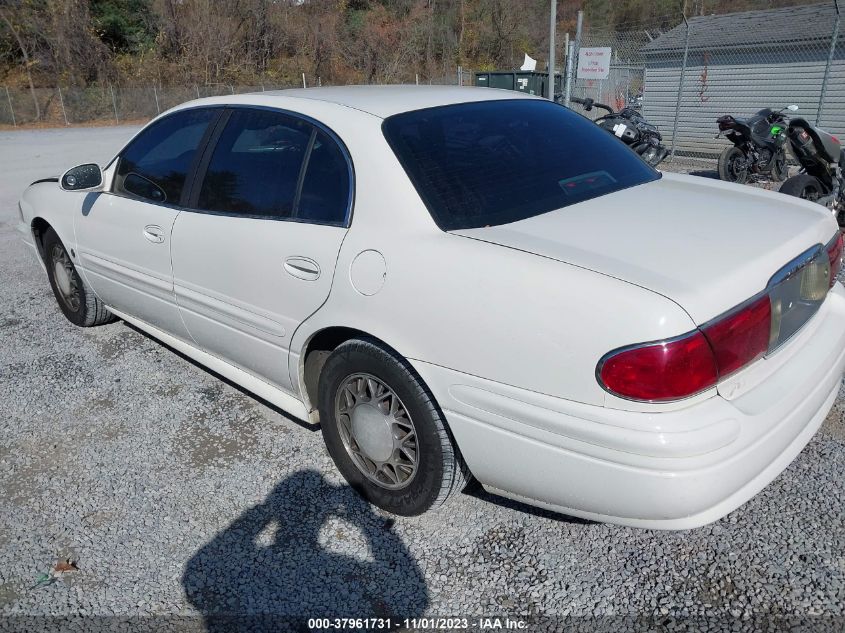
(385, 432)
(76, 300)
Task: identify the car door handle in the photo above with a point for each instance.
(154, 234)
(302, 268)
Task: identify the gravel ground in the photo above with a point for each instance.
(179, 495)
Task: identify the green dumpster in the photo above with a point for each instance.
(528, 81)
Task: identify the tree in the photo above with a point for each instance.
(11, 22)
(125, 26)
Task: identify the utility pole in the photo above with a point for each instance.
(575, 48)
(680, 90)
(834, 36)
(552, 29)
(570, 53)
(578, 28)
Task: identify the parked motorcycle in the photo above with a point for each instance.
(758, 145)
(632, 128)
(822, 161)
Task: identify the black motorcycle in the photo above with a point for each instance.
(822, 161)
(758, 145)
(632, 128)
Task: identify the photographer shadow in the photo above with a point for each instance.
(310, 550)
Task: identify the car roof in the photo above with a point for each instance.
(385, 101)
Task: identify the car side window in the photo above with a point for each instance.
(325, 189)
(156, 163)
(255, 167)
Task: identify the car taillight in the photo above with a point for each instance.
(740, 337)
(681, 367)
(834, 255)
(666, 370)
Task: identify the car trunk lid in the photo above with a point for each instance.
(706, 245)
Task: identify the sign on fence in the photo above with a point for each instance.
(594, 63)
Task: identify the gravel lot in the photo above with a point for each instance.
(179, 495)
(706, 168)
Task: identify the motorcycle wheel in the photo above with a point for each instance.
(648, 154)
(780, 170)
(803, 186)
(732, 167)
(662, 153)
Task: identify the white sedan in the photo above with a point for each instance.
(465, 282)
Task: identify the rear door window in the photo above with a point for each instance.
(495, 162)
(326, 187)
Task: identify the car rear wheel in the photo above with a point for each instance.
(803, 186)
(76, 300)
(732, 165)
(385, 432)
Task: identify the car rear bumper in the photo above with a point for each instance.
(674, 470)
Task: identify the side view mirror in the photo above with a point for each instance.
(792, 108)
(88, 177)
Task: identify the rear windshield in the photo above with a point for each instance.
(495, 162)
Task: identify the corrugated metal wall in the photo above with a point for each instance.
(739, 83)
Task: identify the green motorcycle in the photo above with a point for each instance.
(759, 145)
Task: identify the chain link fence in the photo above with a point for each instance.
(104, 104)
(684, 78)
(109, 104)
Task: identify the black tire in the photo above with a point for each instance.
(780, 169)
(440, 470)
(79, 304)
(803, 186)
(729, 169)
(650, 154)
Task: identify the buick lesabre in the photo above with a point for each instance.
(458, 282)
